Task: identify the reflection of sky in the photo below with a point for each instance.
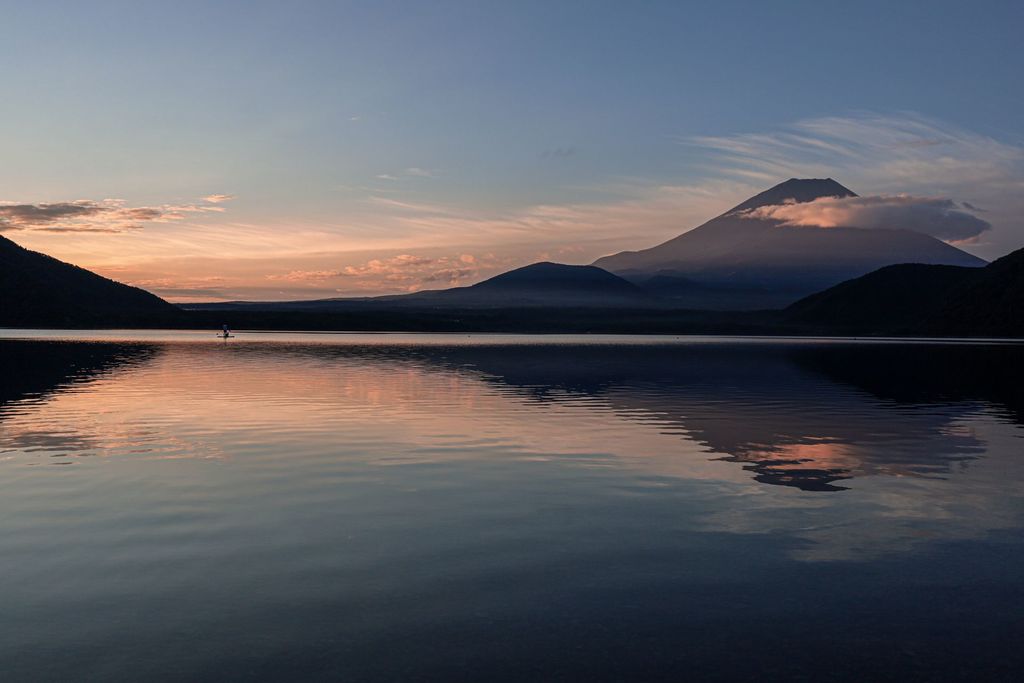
(720, 423)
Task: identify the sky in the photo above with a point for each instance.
(288, 150)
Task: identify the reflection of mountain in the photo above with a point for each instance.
(805, 415)
(797, 415)
(31, 369)
(991, 376)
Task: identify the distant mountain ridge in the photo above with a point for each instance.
(910, 298)
(36, 289)
(544, 283)
(744, 262)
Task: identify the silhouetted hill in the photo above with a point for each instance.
(921, 299)
(38, 290)
(890, 299)
(746, 262)
(546, 284)
(989, 304)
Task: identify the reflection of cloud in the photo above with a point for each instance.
(941, 218)
(41, 442)
(888, 515)
(620, 411)
(768, 408)
(903, 463)
(88, 216)
(658, 411)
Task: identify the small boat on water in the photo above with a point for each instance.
(225, 333)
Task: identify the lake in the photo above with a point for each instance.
(504, 508)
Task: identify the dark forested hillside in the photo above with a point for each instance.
(921, 299)
(37, 290)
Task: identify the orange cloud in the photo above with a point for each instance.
(404, 272)
(305, 275)
(935, 216)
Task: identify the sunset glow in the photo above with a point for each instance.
(536, 340)
(359, 160)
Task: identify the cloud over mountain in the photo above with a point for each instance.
(939, 217)
(879, 152)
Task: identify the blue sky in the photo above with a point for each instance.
(352, 132)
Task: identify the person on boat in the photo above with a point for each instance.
(227, 332)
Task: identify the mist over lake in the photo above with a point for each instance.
(488, 507)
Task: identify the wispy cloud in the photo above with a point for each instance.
(89, 216)
(218, 198)
(907, 150)
(873, 154)
(643, 213)
(938, 217)
(880, 154)
(558, 152)
(401, 264)
(403, 272)
(410, 172)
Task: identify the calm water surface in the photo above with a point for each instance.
(490, 508)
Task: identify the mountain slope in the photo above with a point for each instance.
(540, 284)
(990, 304)
(766, 264)
(923, 300)
(799, 190)
(36, 289)
(888, 300)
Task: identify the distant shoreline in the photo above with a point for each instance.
(27, 333)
